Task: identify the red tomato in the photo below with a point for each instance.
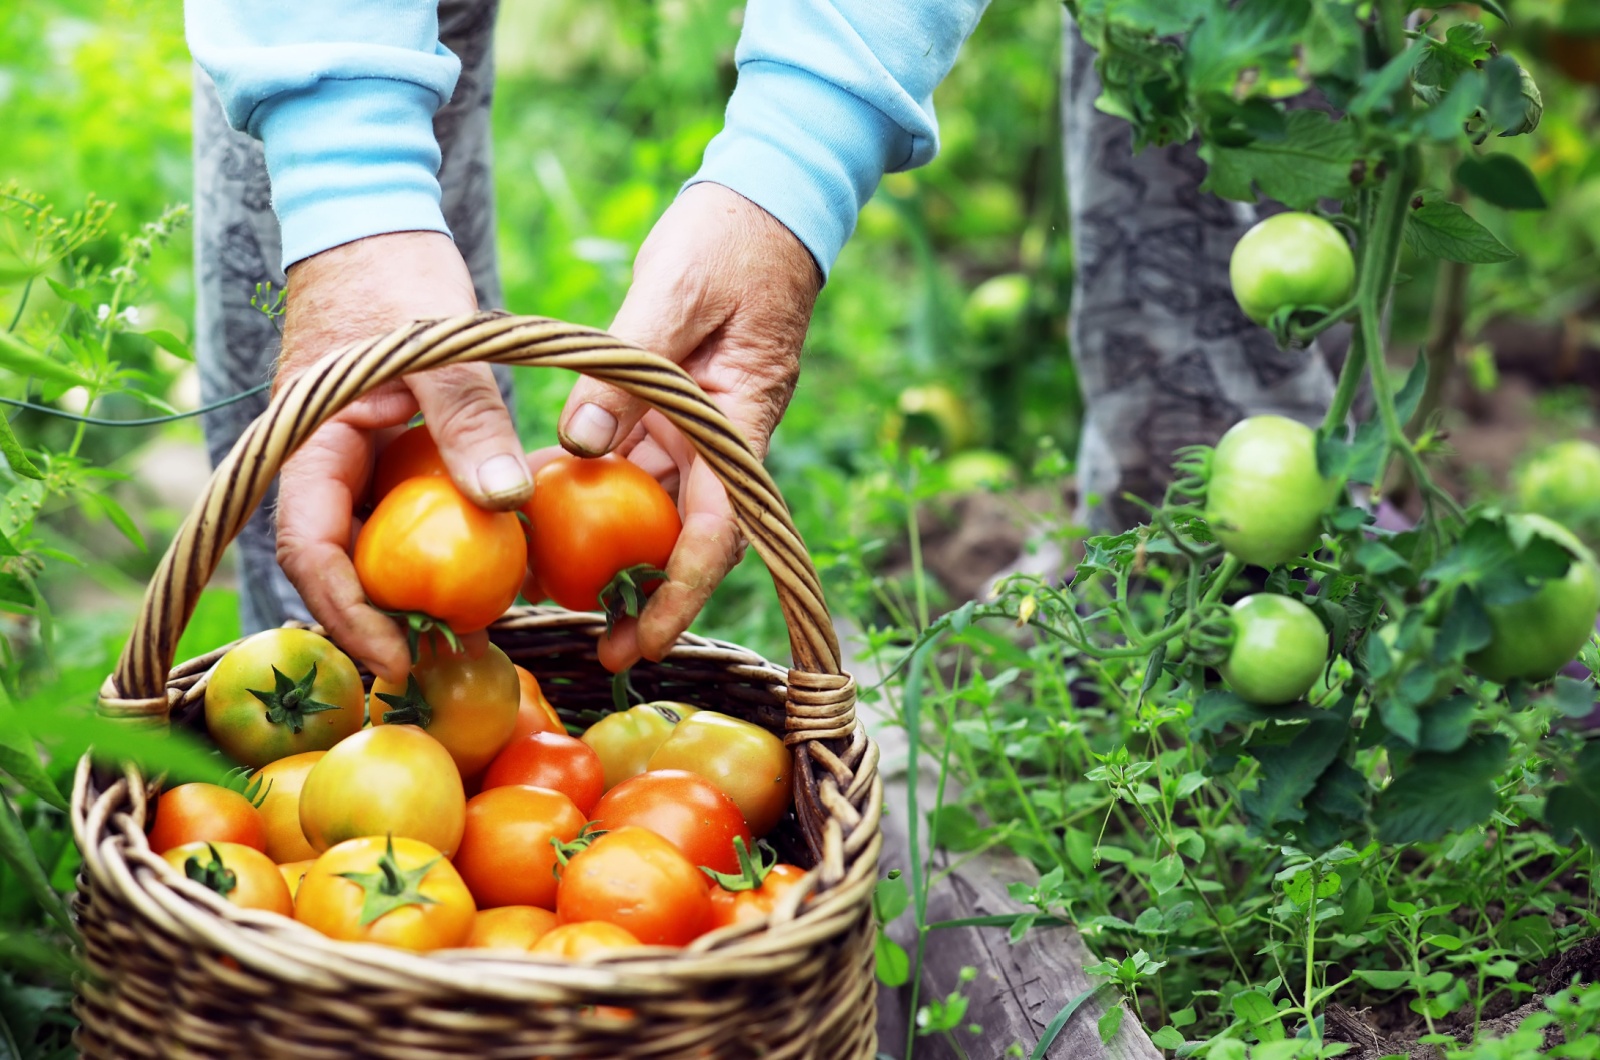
(549, 760)
(685, 809)
(413, 454)
(427, 549)
(534, 712)
(506, 855)
(206, 813)
(592, 518)
(636, 880)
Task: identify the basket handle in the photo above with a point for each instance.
(822, 699)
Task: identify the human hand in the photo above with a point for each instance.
(341, 296)
(725, 290)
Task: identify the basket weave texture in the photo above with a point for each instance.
(173, 970)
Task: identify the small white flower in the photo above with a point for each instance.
(130, 315)
(102, 313)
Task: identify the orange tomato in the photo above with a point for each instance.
(397, 891)
(585, 939)
(506, 855)
(510, 927)
(206, 813)
(548, 760)
(243, 875)
(412, 454)
(469, 705)
(685, 809)
(737, 907)
(534, 712)
(281, 782)
(592, 518)
(636, 880)
(389, 779)
(746, 762)
(626, 739)
(294, 871)
(426, 548)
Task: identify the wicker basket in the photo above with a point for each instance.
(174, 970)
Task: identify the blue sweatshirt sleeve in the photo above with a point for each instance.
(833, 94)
(342, 96)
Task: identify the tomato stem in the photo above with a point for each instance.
(752, 870)
(213, 874)
(291, 700)
(390, 887)
(410, 708)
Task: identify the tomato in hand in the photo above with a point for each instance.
(626, 740)
(396, 891)
(1536, 636)
(281, 782)
(282, 692)
(534, 712)
(468, 704)
(205, 813)
(592, 519)
(510, 927)
(636, 880)
(584, 939)
(683, 808)
(1291, 259)
(550, 760)
(506, 855)
(294, 871)
(427, 549)
(412, 454)
(745, 762)
(390, 779)
(243, 875)
(1279, 649)
(1266, 497)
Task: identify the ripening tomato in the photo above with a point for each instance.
(294, 871)
(281, 782)
(1536, 636)
(534, 712)
(397, 891)
(1279, 649)
(683, 808)
(243, 875)
(1562, 482)
(1291, 259)
(205, 813)
(282, 692)
(754, 903)
(626, 740)
(550, 760)
(412, 454)
(510, 927)
(635, 879)
(427, 549)
(467, 704)
(389, 779)
(1266, 497)
(506, 855)
(593, 518)
(584, 939)
(746, 763)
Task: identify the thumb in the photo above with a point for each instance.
(468, 419)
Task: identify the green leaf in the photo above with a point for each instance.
(1447, 724)
(1574, 698)
(1053, 1029)
(1464, 630)
(16, 851)
(1575, 805)
(954, 828)
(169, 342)
(18, 357)
(1446, 121)
(1167, 874)
(1380, 88)
(1500, 180)
(890, 899)
(894, 964)
(13, 590)
(1167, 1038)
(1511, 98)
(1217, 709)
(1312, 161)
(1383, 978)
(16, 458)
(1358, 904)
(1256, 1009)
(1289, 771)
(119, 518)
(1377, 558)
(1438, 228)
(1110, 1023)
(19, 757)
(1441, 793)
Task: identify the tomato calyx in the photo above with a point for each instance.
(239, 780)
(213, 874)
(565, 852)
(419, 624)
(290, 700)
(1211, 637)
(409, 708)
(389, 887)
(753, 870)
(625, 594)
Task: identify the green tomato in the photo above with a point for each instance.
(1294, 259)
(995, 306)
(282, 692)
(1562, 481)
(1538, 635)
(978, 469)
(1266, 497)
(1279, 648)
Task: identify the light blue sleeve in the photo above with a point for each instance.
(342, 95)
(833, 94)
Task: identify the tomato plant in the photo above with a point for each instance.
(638, 881)
(550, 760)
(427, 551)
(507, 856)
(591, 520)
(1279, 648)
(510, 927)
(1562, 481)
(392, 890)
(243, 875)
(626, 739)
(205, 813)
(744, 761)
(387, 780)
(1533, 637)
(683, 808)
(469, 704)
(280, 783)
(281, 692)
(1289, 261)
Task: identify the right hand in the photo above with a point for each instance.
(346, 295)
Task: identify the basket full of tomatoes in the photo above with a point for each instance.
(509, 853)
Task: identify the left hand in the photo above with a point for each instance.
(724, 289)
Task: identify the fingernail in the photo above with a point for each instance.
(503, 476)
(591, 429)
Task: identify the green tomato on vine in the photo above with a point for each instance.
(1279, 649)
(1291, 259)
(1266, 497)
